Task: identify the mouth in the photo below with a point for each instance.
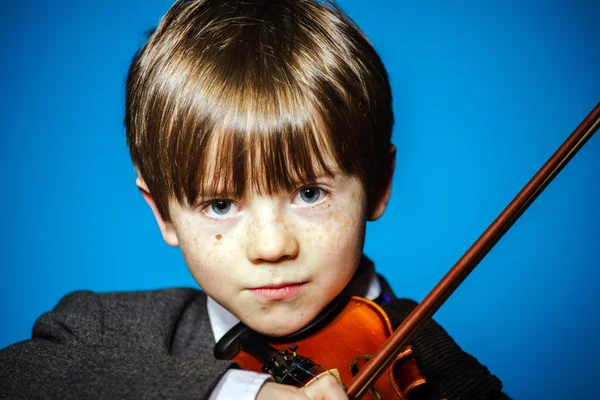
(278, 292)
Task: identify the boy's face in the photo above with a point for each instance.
(274, 261)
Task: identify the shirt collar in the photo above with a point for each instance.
(364, 284)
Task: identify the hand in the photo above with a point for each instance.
(325, 388)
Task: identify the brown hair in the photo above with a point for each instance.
(276, 91)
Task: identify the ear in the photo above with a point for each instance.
(166, 228)
(380, 202)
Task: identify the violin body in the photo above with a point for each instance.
(344, 345)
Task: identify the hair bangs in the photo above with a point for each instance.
(260, 149)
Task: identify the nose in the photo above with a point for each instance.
(271, 241)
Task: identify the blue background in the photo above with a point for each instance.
(484, 93)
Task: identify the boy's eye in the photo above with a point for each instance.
(309, 196)
(220, 209)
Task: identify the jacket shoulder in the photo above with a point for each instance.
(140, 319)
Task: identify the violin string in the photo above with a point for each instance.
(303, 369)
(293, 376)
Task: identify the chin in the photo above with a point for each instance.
(278, 326)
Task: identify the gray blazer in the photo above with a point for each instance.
(135, 345)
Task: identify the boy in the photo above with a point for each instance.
(260, 131)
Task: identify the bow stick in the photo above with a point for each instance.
(467, 263)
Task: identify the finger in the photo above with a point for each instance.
(326, 388)
(276, 391)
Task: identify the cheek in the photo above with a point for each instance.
(206, 254)
(338, 235)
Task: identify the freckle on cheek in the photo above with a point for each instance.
(218, 237)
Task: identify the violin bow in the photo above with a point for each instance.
(467, 263)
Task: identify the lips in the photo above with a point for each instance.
(278, 292)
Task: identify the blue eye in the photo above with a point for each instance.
(310, 194)
(220, 207)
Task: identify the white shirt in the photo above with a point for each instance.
(238, 384)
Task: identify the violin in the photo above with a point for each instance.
(362, 324)
(353, 338)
